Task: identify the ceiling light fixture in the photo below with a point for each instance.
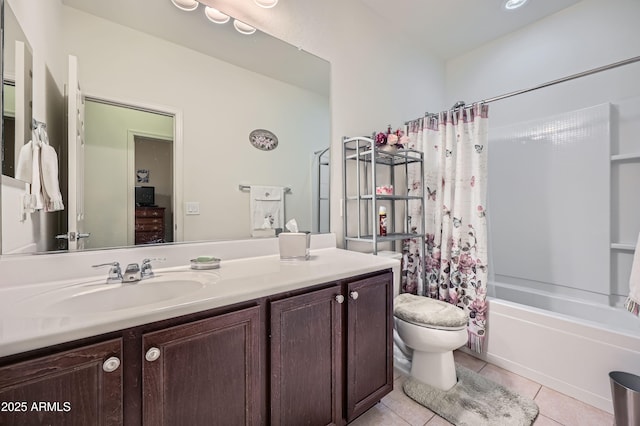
(186, 5)
(243, 28)
(267, 4)
(514, 4)
(214, 15)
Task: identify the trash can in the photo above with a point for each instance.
(625, 394)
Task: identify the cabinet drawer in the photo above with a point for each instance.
(149, 237)
(150, 212)
(149, 225)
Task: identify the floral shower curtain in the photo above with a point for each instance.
(455, 150)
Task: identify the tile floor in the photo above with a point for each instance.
(556, 409)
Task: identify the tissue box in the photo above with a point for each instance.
(294, 245)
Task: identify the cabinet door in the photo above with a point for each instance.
(369, 342)
(306, 359)
(204, 373)
(69, 388)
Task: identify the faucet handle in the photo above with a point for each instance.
(115, 273)
(145, 267)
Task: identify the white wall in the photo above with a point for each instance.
(43, 34)
(587, 35)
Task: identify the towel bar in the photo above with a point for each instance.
(287, 189)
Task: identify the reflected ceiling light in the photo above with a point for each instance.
(514, 4)
(186, 5)
(243, 28)
(267, 4)
(214, 15)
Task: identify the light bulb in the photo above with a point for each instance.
(267, 4)
(514, 4)
(214, 15)
(186, 5)
(243, 28)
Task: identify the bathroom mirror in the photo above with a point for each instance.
(17, 88)
(217, 86)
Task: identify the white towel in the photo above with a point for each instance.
(45, 188)
(37, 200)
(267, 208)
(633, 301)
(25, 162)
(49, 174)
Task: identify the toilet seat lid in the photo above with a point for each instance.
(428, 312)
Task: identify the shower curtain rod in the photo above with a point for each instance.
(461, 104)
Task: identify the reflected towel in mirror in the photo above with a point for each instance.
(266, 208)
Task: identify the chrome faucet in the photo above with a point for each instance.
(115, 273)
(132, 273)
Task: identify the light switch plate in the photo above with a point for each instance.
(193, 208)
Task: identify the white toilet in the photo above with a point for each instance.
(432, 329)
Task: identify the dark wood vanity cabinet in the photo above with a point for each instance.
(369, 336)
(317, 357)
(331, 352)
(202, 372)
(306, 359)
(80, 387)
(205, 372)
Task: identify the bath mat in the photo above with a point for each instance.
(474, 401)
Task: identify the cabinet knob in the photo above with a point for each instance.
(354, 295)
(111, 364)
(339, 298)
(152, 354)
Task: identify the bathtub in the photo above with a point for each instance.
(569, 345)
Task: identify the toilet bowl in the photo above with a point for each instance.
(432, 329)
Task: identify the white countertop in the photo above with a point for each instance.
(24, 327)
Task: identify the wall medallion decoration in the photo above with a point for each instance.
(263, 139)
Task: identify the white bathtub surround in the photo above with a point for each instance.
(571, 352)
(455, 146)
(633, 301)
(23, 326)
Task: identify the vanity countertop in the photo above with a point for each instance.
(24, 325)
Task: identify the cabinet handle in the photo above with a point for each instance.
(354, 295)
(152, 354)
(339, 298)
(111, 364)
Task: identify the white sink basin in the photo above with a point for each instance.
(98, 297)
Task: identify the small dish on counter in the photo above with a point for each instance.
(205, 262)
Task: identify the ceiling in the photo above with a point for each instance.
(449, 28)
(258, 52)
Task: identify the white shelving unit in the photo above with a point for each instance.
(365, 168)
